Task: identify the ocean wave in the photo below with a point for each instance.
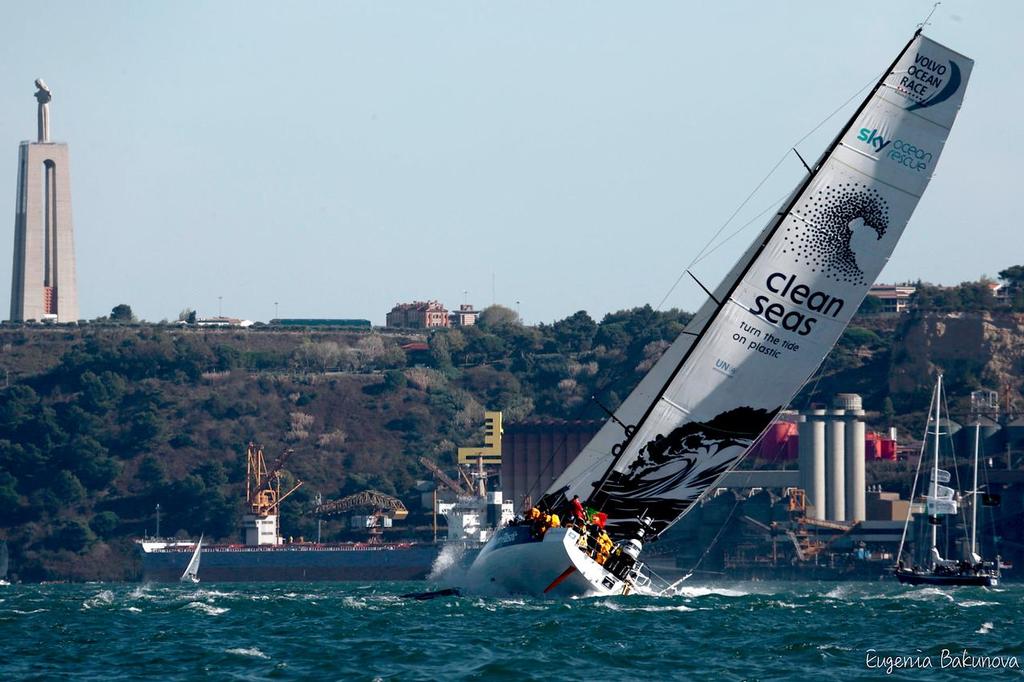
(985, 628)
(970, 603)
(27, 613)
(253, 651)
(206, 608)
(104, 598)
(927, 594)
(694, 592)
(649, 608)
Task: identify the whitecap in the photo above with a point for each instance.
(985, 628)
(104, 598)
(26, 613)
(705, 591)
(838, 592)
(975, 602)
(649, 608)
(254, 652)
(205, 608)
(133, 609)
(927, 594)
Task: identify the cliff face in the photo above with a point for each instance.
(974, 350)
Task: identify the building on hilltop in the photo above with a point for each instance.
(465, 316)
(430, 315)
(895, 298)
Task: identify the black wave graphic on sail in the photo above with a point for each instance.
(671, 472)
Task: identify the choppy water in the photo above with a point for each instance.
(349, 631)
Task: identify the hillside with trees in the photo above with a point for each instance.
(100, 423)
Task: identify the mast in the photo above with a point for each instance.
(935, 468)
(974, 489)
(795, 197)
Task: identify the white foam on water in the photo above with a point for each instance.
(253, 651)
(615, 606)
(985, 628)
(26, 613)
(133, 609)
(970, 603)
(838, 592)
(695, 591)
(449, 567)
(104, 598)
(355, 602)
(927, 594)
(205, 608)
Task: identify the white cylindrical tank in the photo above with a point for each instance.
(835, 466)
(811, 431)
(855, 486)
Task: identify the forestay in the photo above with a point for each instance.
(783, 305)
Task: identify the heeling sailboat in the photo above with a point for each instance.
(767, 328)
(191, 574)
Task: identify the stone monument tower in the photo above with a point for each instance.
(43, 284)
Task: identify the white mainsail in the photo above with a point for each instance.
(191, 573)
(782, 307)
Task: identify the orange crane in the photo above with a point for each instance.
(263, 484)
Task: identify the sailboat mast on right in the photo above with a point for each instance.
(942, 501)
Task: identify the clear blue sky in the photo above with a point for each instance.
(339, 157)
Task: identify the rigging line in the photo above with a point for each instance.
(706, 250)
(743, 227)
(913, 486)
(956, 467)
(927, 19)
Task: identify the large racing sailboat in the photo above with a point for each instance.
(748, 350)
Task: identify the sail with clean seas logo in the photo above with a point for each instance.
(782, 307)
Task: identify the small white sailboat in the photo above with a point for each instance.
(765, 330)
(191, 574)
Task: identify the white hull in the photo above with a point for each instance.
(553, 567)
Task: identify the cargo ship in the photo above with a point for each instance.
(263, 555)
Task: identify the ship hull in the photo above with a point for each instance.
(514, 563)
(956, 580)
(294, 563)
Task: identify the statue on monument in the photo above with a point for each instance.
(43, 96)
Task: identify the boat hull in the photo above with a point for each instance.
(956, 580)
(515, 563)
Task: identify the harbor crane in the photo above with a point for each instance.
(381, 508)
(263, 484)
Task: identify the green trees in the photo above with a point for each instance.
(122, 312)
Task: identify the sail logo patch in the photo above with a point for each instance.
(905, 154)
(929, 81)
(802, 295)
(821, 238)
(873, 139)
